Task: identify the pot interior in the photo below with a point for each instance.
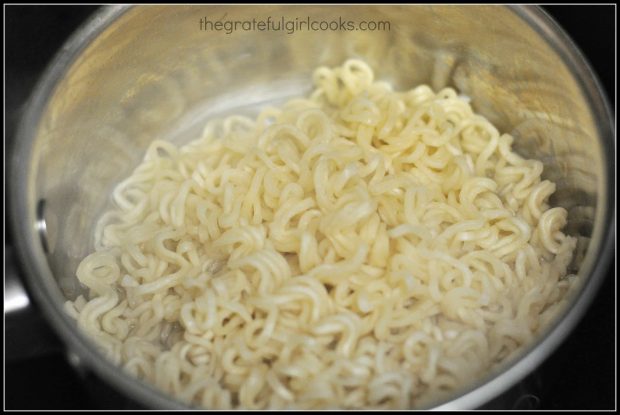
(153, 74)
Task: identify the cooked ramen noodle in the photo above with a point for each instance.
(360, 248)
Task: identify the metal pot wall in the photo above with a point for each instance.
(131, 75)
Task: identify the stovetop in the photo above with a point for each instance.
(579, 375)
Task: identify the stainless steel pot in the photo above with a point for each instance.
(131, 75)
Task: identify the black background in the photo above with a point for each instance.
(579, 375)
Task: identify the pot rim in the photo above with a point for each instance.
(33, 262)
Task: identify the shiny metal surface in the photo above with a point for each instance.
(26, 334)
(131, 75)
(15, 296)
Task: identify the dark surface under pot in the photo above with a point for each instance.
(579, 375)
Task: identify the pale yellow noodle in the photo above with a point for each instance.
(360, 248)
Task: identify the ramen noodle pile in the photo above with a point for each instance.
(361, 248)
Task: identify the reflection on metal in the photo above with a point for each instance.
(527, 402)
(41, 226)
(76, 363)
(15, 298)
